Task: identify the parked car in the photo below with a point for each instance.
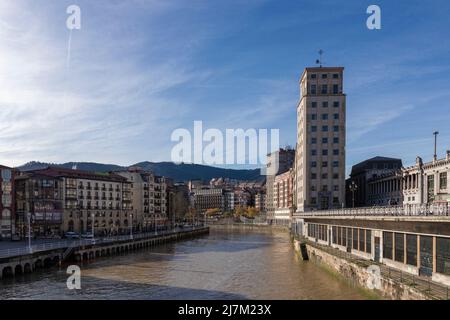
(88, 235)
(72, 235)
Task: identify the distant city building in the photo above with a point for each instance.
(260, 201)
(7, 205)
(209, 198)
(285, 159)
(320, 158)
(178, 200)
(283, 197)
(427, 182)
(371, 170)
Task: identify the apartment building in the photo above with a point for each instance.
(149, 199)
(103, 199)
(277, 162)
(260, 201)
(283, 197)
(320, 154)
(7, 206)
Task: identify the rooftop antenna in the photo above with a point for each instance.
(319, 61)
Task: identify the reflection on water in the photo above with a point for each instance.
(223, 265)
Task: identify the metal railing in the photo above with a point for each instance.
(422, 284)
(405, 210)
(66, 244)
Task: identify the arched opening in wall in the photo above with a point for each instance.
(18, 270)
(55, 260)
(38, 264)
(27, 268)
(81, 226)
(48, 262)
(85, 256)
(70, 226)
(7, 272)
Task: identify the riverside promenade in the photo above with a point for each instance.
(18, 258)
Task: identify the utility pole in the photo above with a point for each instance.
(435, 145)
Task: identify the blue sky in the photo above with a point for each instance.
(140, 69)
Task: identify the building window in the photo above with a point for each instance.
(313, 104)
(324, 128)
(335, 152)
(313, 152)
(324, 140)
(324, 89)
(335, 175)
(324, 164)
(325, 116)
(325, 188)
(443, 255)
(368, 241)
(324, 176)
(335, 188)
(335, 164)
(399, 247)
(313, 188)
(411, 249)
(336, 128)
(325, 104)
(324, 75)
(313, 128)
(335, 89)
(387, 245)
(313, 164)
(336, 116)
(355, 239)
(443, 180)
(362, 239)
(313, 176)
(335, 75)
(313, 200)
(313, 116)
(313, 140)
(313, 76)
(335, 200)
(336, 104)
(325, 152)
(313, 89)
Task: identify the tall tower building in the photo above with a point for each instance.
(320, 155)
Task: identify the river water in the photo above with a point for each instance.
(226, 264)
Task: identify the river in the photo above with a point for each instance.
(226, 264)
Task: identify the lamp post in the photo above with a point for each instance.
(93, 227)
(131, 226)
(353, 187)
(29, 231)
(435, 145)
(156, 229)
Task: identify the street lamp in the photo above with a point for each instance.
(353, 187)
(93, 228)
(131, 226)
(29, 232)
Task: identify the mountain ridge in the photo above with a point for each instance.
(177, 172)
